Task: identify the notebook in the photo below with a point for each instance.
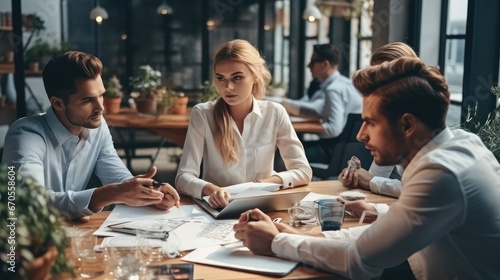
(253, 198)
(239, 257)
(131, 227)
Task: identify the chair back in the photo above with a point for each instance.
(346, 146)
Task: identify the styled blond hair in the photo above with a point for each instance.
(243, 52)
(391, 51)
(406, 85)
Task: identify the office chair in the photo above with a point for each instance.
(345, 147)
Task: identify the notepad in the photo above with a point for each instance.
(240, 257)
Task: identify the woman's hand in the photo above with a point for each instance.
(219, 198)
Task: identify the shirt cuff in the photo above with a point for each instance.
(376, 184)
(380, 208)
(82, 201)
(287, 245)
(287, 180)
(346, 233)
(291, 107)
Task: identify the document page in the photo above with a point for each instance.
(238, 256)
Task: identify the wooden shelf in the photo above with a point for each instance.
(6, 68)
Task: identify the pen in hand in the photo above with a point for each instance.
(250, 218)
(351, 164)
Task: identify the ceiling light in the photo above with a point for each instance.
(164, 9)
(98, 13)
(311, 13)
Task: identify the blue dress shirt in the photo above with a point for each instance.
(42, 147)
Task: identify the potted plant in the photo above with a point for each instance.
(113, 95)
(42, 52)
(489, 132)
(36, 25)
(32, 231)
(172, 102)
(277, 89)
(209, 92)
(144, 84)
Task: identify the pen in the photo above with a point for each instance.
(157, 184)
(250, 218)
(349, 166)
(276, 220)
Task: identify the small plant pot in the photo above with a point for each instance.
(34, 67)
(180, 107)
(8, 57)
(146, 105)
(112, 105)
(41, 266)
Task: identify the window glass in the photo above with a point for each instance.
(457, 16)
(454, 65)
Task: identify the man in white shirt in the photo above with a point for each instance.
(384, 180)
(448, 206)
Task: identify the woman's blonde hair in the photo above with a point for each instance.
(243, 52)
(406, 85)
(391, 51)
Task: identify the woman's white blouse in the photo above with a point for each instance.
(266, 127)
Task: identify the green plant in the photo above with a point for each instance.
(36, 26)
(38, 50)
(209, 92)
(275, 85)
(113, 88)
(30, 223)
(146, 81)
(489, 132)
(167, 99)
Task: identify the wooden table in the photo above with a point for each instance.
(301, 272)
(174, 127)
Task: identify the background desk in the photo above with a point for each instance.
(174, 127)
(301, 272)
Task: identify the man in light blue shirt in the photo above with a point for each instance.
(63, 147)
(335, 100)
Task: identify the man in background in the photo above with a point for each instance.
(335, 99)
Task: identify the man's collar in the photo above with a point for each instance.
(329, 80)
(60, 131)
(442, 137)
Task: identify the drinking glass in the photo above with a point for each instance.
(330, 214)
(301, 212)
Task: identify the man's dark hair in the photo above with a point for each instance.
(327, 52)
(406, 85)
(61, 73)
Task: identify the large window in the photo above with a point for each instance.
(451, 53)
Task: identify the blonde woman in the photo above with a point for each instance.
(236, 136)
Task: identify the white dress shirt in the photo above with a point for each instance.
(446, 221)
(386, 180)
(40, 146)
(266, 127)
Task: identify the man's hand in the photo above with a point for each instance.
(357, 207)
(256, 235)
(356, 177)
(137, 191)
(170, 198)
